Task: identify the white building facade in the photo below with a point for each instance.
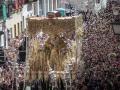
(17, 22)
(26, 12)
(50, 5)
(14, 24)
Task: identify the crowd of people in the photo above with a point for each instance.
(100, 53)
(11, 76)
(12, 72)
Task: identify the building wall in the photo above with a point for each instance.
(14, 15)
(26, 14)
(17, 23)
(14, 24)
(33, 11)
(49, 5)
(35, 8)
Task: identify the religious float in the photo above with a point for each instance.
(54, 50)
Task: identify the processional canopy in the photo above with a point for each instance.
(57, 50)
(53, 26)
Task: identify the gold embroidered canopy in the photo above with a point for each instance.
(51, 26)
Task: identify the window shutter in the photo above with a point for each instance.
(1, 12)
(4, 11)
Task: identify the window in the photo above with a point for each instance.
(40, 7)
(23, 19)
(18, 28)
(1, 13)
(97, 1)
(14, 30)
(59, 3)
(21, 26)
(35, 9)
(11, 33)
(54, 4)
(10, 10)
(50, 5)
(29, 7)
